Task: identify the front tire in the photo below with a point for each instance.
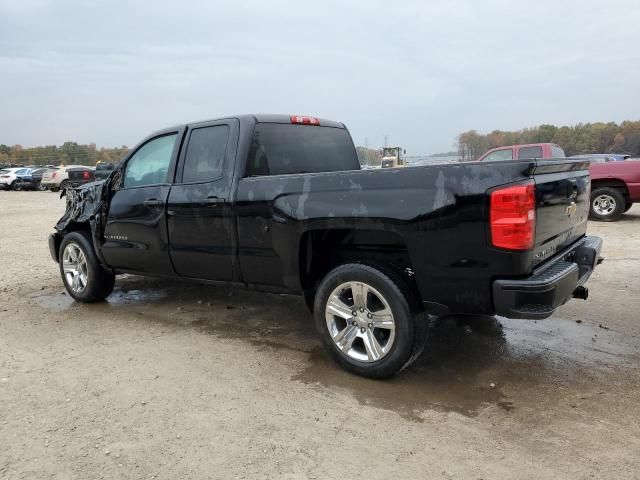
(82, 275)
(607, 204)
(368, 320)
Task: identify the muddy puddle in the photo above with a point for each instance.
(469, 362)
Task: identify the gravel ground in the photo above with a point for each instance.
(178, 381)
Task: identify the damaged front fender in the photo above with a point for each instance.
(84, 204)
(87, 205)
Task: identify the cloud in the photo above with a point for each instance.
(419, 72)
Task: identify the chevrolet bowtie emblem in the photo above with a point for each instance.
(571, 209)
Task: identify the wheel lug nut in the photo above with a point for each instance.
(361, 309)
(354, 323)
(362, 330)
(354, 313)
(370, 326)
(369, 315)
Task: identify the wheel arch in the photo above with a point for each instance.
(322, 250)
(611, 183)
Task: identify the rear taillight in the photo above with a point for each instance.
(304, 120)
(85, 175)
(53, 175)
(513, 217)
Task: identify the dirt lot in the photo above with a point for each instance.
(179, 381)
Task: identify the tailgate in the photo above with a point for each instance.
(80, 175)
(562, 205)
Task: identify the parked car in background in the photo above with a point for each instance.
(79, 176)
(8, 176)
(103, 170)
(615, 187)
(523, 152)
(31, 180)
(58, 178)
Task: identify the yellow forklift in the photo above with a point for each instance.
(393, 157)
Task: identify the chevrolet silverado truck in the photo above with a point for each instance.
(279, 203)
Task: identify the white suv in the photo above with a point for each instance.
(9, 175)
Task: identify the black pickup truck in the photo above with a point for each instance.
(79, 176)
(279, 203)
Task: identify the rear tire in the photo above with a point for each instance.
(386, 333)
(82, 275)
(607, 204)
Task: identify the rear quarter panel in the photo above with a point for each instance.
(439, 211)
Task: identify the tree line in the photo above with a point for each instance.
(69, 153)
(574, 140)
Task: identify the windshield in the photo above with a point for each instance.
(389, 152)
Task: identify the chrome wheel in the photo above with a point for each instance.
(74, 264)
(604, 204)
(360, 321)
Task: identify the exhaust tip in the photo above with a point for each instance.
(581, 292)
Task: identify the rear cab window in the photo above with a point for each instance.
(281, 149)
(530, 152)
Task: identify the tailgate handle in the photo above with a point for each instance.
(153, 202)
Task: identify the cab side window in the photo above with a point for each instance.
(506, 154)
(150, 164)
(205, 154)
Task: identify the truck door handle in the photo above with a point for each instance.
(153, 202)
(212, 200)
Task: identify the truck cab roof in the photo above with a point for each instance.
(253, 119)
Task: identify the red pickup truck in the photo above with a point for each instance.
(615, 185)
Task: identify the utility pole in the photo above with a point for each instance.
(366, 150)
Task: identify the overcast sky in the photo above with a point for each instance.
(421, 72)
